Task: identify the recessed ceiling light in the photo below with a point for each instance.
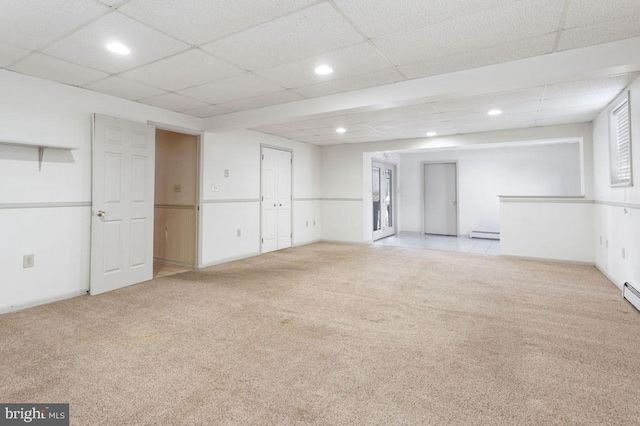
(118, 48)
(323, 70)
(495, 112)
(341, 130)
(431, 134)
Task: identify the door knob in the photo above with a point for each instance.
(101, 213)
(274, 205)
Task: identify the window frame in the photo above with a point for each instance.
(614, 181)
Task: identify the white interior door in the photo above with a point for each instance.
(122, 203)
(440, 199)
(276, 199)
(383, 198)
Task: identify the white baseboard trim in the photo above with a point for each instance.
(45, 301)
(229, 259)
(306, 243)
(607, 276)
(545, 259)
(344, 242)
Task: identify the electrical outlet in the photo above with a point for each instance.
(624, 253)
(314, 223)
(226, 173)
(601, 240)
(307, 224)
(28, 261)
(177, 187)
(214, 187)
(606, 244)
(238, 232)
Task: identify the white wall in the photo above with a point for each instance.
(236, 204)
(483, 174)
(617, 210)
(346, 184)
(35, 110)
(552, 229)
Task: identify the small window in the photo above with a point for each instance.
(620, 143)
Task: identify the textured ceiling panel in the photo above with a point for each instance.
(201, 21)
(581, 87)
(32, 24)
(191, 68)
(123, 88)
(54, 69)
(88, 46)
(208, 111)
(309, 32)
(379, 17)
(513, 22)
(585, 12)
(240, 87)
(603, 32)
(173, 102)
(355, 60)
(481, 57)
(262, 101)
(376, 78)
(9, 54)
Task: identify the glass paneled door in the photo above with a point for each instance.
(383, 199)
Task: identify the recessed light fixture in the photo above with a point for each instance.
(323, 70)
(341, 130)
(118, 48)
(431, 134)
(495, 112)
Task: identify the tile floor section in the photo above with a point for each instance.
(441, 242)
(165, 269)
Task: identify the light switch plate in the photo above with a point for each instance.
(28, 261)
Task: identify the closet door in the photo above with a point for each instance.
(276, 199)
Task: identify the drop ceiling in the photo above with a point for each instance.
(211, 58)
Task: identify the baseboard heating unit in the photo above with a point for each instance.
(632, 294)
(489, 235)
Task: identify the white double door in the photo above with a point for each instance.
(276, 199)
(383, 198)
(122, 203)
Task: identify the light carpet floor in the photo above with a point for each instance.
(337, 334)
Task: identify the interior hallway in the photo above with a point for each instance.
(441, 242)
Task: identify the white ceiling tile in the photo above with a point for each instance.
(318, 123)
(294, 135)
(55, 69)
(481, 57)
(202, 21)
(331, 131)
(123, 88)
(603, 32)
(240, 87)
(427, 122)
(274, 129)
(173, 102)
(32, 24)
(511, 101)
(585, 12)
(306, 33)
(362, 81)
(594, 85)
(351, 61)
(207, 111)
(87, 46)
(263, 101)
(473, 127)
(515, 21)
(379, 17)
(187, 69)
(596, 99)
(570, 111)
(112, 2)
(9, 54)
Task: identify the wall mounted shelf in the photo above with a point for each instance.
(41, 147)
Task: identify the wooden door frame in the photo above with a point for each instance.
(422, 194)
(278, 148)
(199, 134)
